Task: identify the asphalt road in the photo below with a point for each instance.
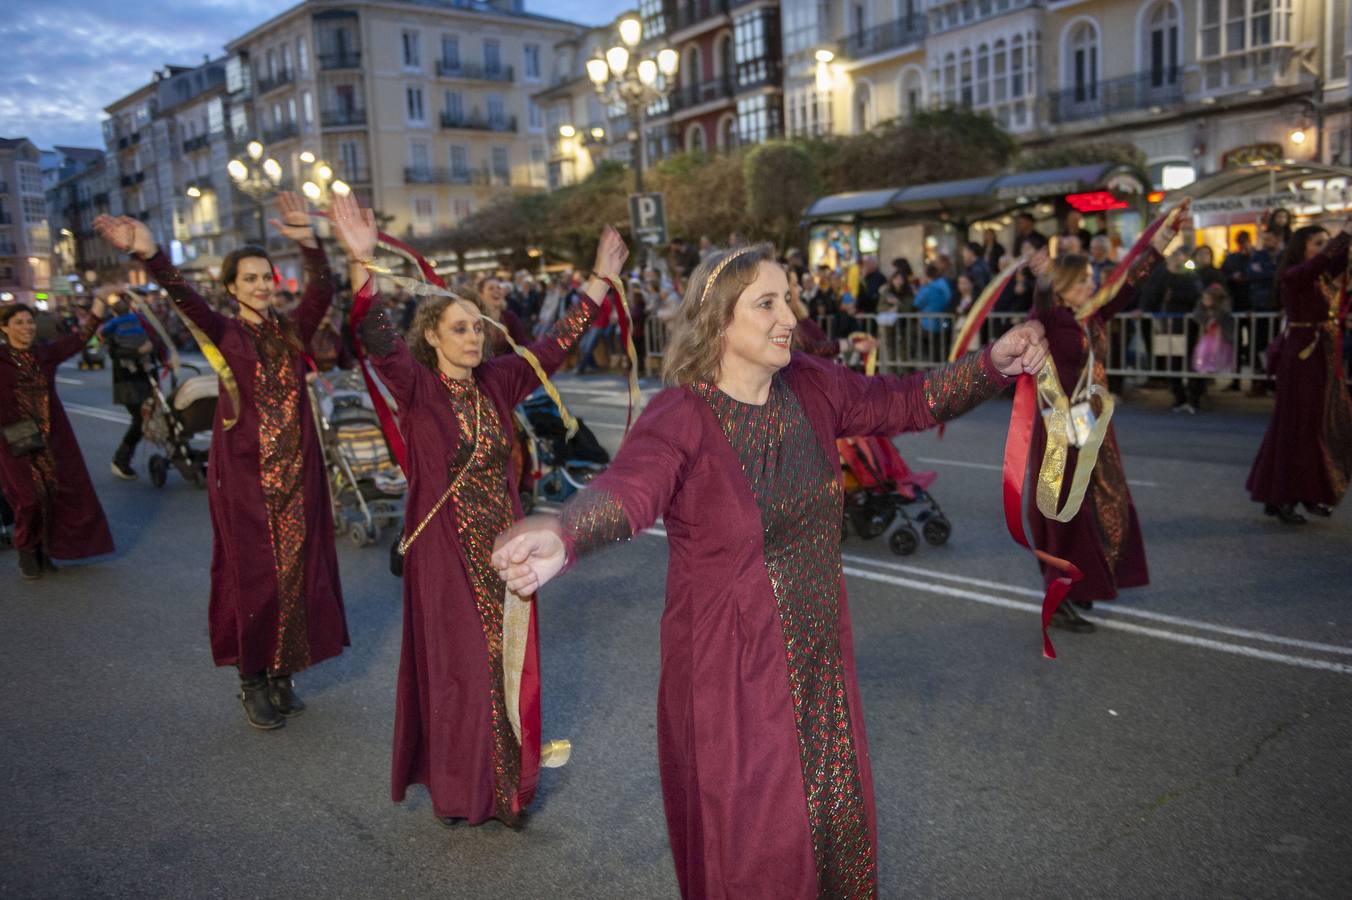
(1197, 746)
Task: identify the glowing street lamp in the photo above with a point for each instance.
(635, 84)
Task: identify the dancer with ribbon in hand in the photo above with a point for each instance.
(276, 602)
(1102, 541)
(467, 716)
(42, 471)
(764, 763)
(1306, 454)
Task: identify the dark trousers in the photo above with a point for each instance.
(131, 438)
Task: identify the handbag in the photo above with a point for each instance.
(24, 437)
(1081, 423)
(399, 549)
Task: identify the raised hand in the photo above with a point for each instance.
(1022, 350)
(354, 227)
(611, 253)
(1040, 263)
(295, 219)
(530, 554)
(1169, 230)
(127, 235)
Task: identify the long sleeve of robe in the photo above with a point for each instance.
(747, 814)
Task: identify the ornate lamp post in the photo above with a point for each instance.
(633, 86)
(255, 176)
(321, 186)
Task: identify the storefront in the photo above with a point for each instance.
(1240, 199)
(919, 221)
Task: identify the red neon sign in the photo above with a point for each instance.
(1094, 201)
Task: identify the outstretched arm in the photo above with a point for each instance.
(294, 222)
(66, 346)
(1136, 277)
(892, 404)
(131, 236)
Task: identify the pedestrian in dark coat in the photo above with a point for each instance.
(133, 354)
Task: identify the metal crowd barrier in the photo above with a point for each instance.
(1143, 346)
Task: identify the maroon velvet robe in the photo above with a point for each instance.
(1306, 455)
(728, 743)
(242, 616)
(443, 730)
(1104, 539)
(78, 528)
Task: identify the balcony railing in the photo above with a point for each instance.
(193, 144)
(340, 118)
(443, 176)
(347, 59)
(476, 122)
(281, 132)
(133, 178)
(884, 37)
(472, 72)
(693, 12)
(767, 72)
(692, 95)
(279, 79)
(1132, 93)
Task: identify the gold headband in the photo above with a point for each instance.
(718, 270)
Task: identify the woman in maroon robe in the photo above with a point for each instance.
(764, 763)
(1306, 455)
(1104, 539)
(276, 603)
(56, 512)
(467, 714)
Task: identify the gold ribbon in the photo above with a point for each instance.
(1051, 474)
(871, 359)
(424, 289)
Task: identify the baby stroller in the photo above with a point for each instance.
(879, 486)
(365, 484)
(170, 422)
(554, 466)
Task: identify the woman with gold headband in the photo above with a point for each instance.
(276, 602)
(1103, 540)
(467, 715)
(764, 763)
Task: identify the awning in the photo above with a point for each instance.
(972, 198)
(1307, 189)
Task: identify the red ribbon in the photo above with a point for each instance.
(1017, 444)
(361, 305)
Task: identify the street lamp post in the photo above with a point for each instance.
(255, 176)
(634, 86)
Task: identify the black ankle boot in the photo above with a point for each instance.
(282, 693)
(1068, 618)
(1323, 510)
(1285, 513)
(30, 565)
(258, 708)
(44, 560)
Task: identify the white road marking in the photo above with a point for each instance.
(1112, 609)
(94, 412)
(934, 461)
(1110, 623)
(63, 380)
(604, 425)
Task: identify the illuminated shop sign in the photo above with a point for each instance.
(1094, 201)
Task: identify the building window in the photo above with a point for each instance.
(983, 75)
(497, 112)
(537, 164)
(412, 50)
(450, 52)
(533, 116)
(502, 172)
(459, 162)
(291, 111)
(455, 106)
(34, 209)
(414, 106)
(863, 107)
(653, 17)
(694, 138)
(950, 80)
(1016, 68)
(30, 179)
(349, 156)
(531, 61)
(307, 105)
(417, 156)
(276, 114)
(1162, 43)
(1082, 61)
(286, 59)
(302, 56)
(492, 56)
(965, 73)
(758, 119)
(461, 208)
(424, 215)
(753, 36)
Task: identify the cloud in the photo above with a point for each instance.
(65, 62)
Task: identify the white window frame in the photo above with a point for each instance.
(416, 118)
(410, 49)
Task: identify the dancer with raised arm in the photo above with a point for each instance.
(467, 716)
(42, 471)
(764, 763)
(1306, 455)
(276, 602)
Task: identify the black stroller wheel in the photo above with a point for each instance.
(936, 531)
(904, 541)
(159, 470)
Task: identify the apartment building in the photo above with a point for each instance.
(424, 109)
(1198, 85)
(80, 190)
(167, 148)
(580, 129)
(25, 237)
